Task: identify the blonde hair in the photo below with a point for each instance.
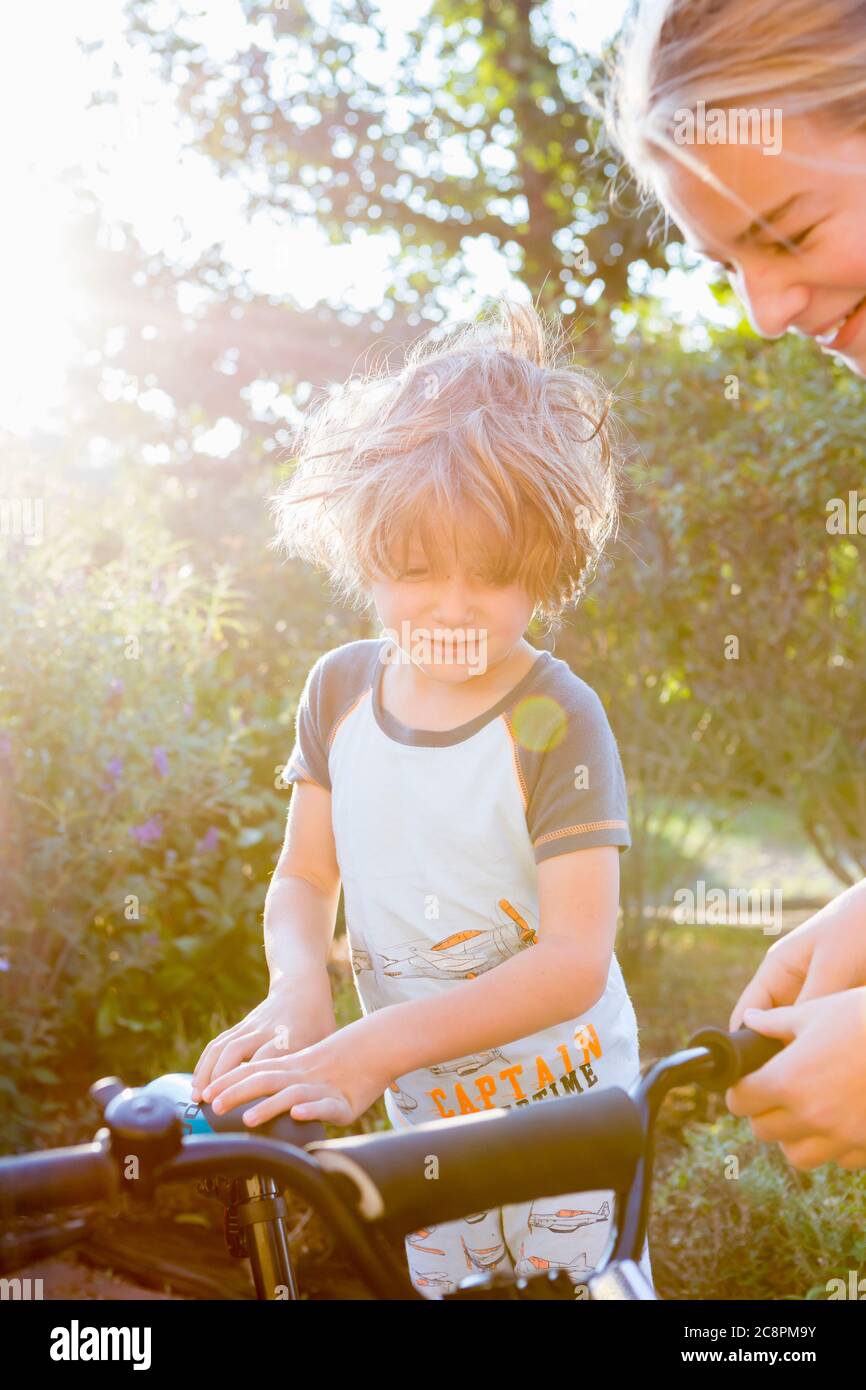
(492, 429)
(805, 57)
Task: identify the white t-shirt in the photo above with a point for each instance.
(439, 836)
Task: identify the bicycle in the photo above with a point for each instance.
(365, 1186)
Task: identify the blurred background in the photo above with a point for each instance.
(212, 212)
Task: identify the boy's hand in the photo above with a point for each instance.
(336, 1080)
(294, 1015)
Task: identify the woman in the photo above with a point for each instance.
(747, 121)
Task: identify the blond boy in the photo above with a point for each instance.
(464, 787)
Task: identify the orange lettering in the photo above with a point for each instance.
(466, 1106)
(545, 1075)
(587, 1038)
(511, 1075)
(434, 1096)
(486, 1087)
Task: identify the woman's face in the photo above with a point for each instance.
(805, 272)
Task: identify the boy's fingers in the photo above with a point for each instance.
(240, 1049)
(203, 1068)
(299, 1100)
(211, 1052)
(224, 1052)
(331, 1108)
(253, 1085)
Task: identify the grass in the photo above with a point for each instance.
(761, 846)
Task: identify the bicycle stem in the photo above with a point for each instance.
(679, 1069)
(249, 1156)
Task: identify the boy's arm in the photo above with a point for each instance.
(300, 912)
(303, 895)
(559, 977)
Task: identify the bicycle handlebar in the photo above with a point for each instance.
(77, 1176)
(568, 1143)
(734, 1054)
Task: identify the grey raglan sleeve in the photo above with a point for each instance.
(308, 761)
(578, 796)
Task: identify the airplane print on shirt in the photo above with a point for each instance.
(461, 1066)
(402, 1098)
(462, 955)
(538, 1264)
(418, 1238)
(485, 1257)
(484, 1250)
(568, 1219)
(465, 1066)
(552, 1223)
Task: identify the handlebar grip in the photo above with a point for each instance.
(735, 1054)
(281, 1127)
(503, 1156)
(41, 1182)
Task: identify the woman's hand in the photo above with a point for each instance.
(296, 1013)
(811, 1097)
(824, 954)
(336, 1079)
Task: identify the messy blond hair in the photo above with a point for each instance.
(491, 430)
(804, 57)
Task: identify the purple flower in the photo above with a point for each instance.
(160, 761)
(5, 963)
(171, 858)
(148, 832)
(6, 750)
(114, 770)
(187, 709)
(209, 841)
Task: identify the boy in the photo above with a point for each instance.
(464, 787)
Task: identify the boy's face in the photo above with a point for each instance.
(455, 627)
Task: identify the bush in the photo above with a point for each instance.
(141, 807)
(772, 1232)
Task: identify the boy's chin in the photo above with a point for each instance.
(452, 672)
